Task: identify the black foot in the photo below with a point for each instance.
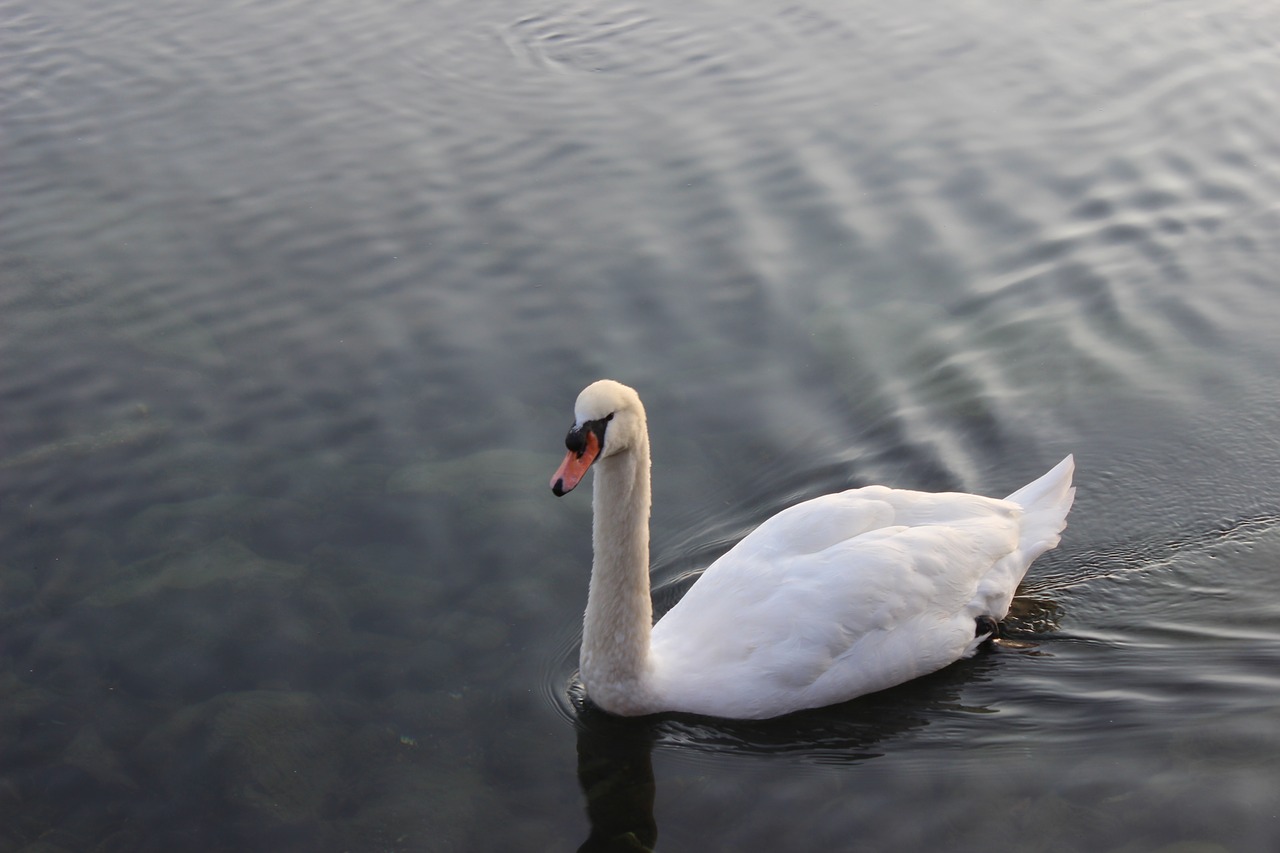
(986, 625)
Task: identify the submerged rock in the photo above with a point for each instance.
(186, 523)
(51, 845)
(277, 754)
(411, 793)
(15, 587)
(223, 561)
(24, 707)
(502, 472)
(181, 339)
(89, 753)
(127, 434)
(292, 765)
(122, 314)
(189, 624)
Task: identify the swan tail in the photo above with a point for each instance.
(1045, 503)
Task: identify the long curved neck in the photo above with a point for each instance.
(619, 618)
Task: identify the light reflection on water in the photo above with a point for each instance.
(294, 305)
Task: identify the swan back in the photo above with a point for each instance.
(847, 594)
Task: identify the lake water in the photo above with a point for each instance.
(295, 299)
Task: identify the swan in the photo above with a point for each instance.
(835, 597)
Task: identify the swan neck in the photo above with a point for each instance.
(619, 617)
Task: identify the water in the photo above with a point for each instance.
(297, 298)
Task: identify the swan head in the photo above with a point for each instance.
(608, 419)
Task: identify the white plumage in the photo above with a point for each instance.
(830, 599)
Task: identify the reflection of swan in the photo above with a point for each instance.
(615, 770)
(615, 765)
(836, 597)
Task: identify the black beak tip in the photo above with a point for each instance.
(558, 489)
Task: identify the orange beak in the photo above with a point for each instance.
(574, 467)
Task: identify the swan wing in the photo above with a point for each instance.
(835, 597)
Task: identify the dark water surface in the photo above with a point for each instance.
(295, 299)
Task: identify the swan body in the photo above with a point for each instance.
(835, 597)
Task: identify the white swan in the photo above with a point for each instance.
(835, 597)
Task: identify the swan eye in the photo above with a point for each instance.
(576, 440)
